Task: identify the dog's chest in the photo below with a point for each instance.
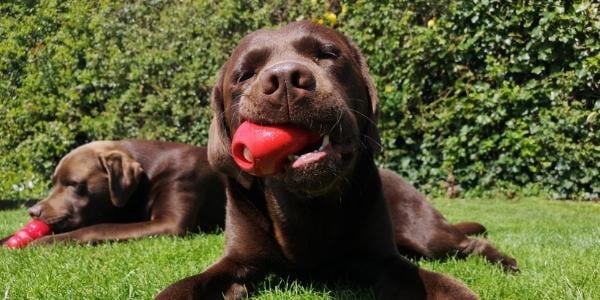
(307, 236)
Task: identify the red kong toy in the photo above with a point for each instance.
(31, 231)
(262, 150)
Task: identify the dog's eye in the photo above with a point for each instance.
(327, 52)
(78, 187)
(243, 76)
(81, 188)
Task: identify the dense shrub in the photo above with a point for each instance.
(494, 93)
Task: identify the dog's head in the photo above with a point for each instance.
(89, 185)
(306, 75)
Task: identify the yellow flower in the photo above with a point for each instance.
(344, 9)
(388, 88)
(331, 18)
(431, 22)
(319, 21)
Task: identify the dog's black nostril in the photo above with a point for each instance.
(302, 78)
(35, 211)
(271, 84)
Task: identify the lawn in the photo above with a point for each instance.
(557, 245)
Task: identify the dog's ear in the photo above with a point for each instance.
(219, 138)
(124, 175)
(371, 133)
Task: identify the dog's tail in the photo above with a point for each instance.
(470, 228)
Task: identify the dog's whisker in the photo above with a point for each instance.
(57, 219)
(337, 122)
(367, 118)
(374, 141)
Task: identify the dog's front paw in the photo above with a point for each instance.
(509, 264)
(45, 240)
(50, 239)
(188, 288)
(236, 292)
(201, 287)
(441, 287)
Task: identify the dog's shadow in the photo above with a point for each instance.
(16, 204)
(336, 290)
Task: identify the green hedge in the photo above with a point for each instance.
(498, 94)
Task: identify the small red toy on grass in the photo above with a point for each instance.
(28, 233)
(262, 150)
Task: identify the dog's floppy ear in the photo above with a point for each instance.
(219, 139)
(124, 175)
(371, 133)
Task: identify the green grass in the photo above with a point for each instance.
(557, 245)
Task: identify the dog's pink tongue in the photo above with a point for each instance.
(262, 150)
(31, 231)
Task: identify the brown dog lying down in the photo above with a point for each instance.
(324, 218)
(118, 190)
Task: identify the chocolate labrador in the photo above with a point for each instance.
(327, 214)
(119, 190)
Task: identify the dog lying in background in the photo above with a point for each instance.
(120, 190)
(330, 213)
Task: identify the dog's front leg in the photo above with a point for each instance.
(110, 232)
(442, 287)
(401, 279)
(226, 279)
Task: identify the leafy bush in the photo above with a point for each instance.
(494, 93)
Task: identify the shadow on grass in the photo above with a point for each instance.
(290, 285)
(14, 204)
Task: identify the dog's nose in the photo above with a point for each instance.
(35, 211)
(289, 81)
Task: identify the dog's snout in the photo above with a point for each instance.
(35, 211)
(287, 81)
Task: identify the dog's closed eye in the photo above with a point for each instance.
(243, 75)
(79, 187)
(251, 62)
(327, 52)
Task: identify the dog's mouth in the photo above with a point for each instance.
(318, 153)
(274, 149)
(325, 150)
(316, 170)
(59, 223)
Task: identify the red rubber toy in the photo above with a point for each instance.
(262, 150)
(31, 231)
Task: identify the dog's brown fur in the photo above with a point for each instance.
(326, 219)
(421, 231)
(119, 190)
